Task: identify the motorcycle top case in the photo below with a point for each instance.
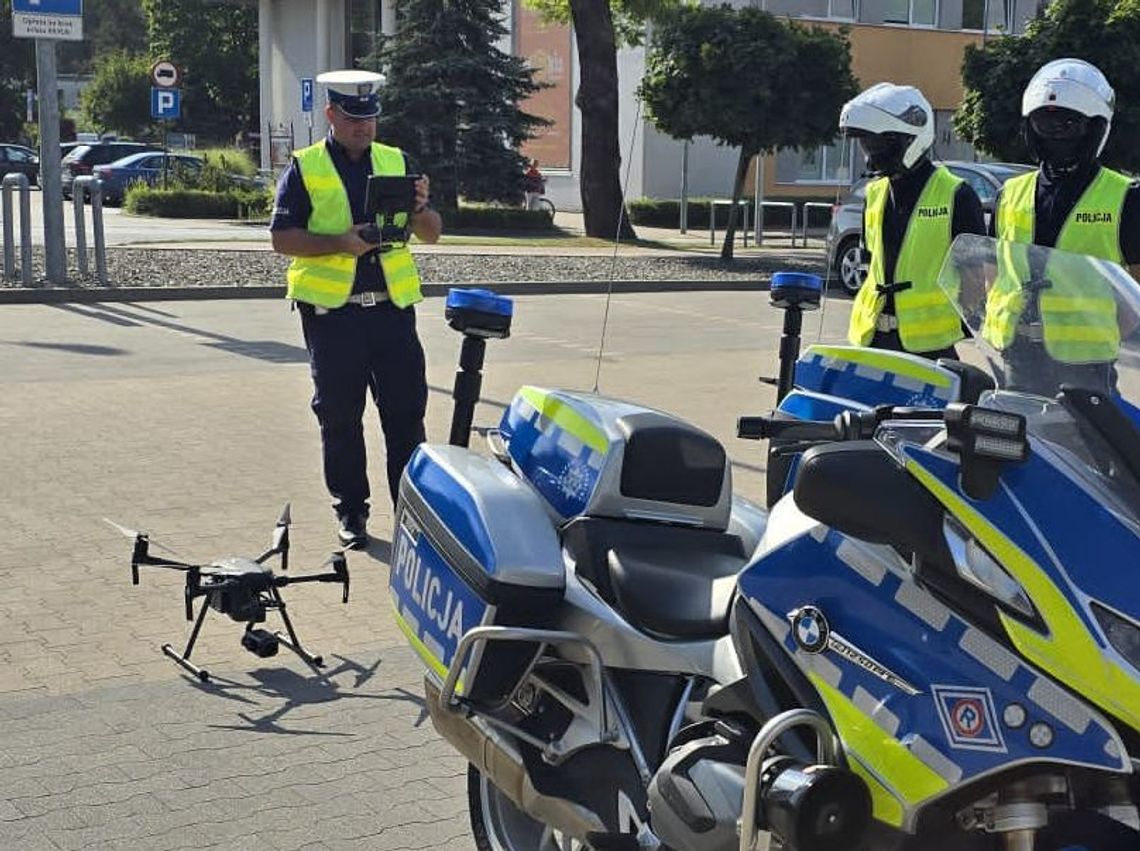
(474, 546)
(875, 377)
(587, 455)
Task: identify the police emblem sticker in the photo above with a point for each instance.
(810, 629)
(969, 718)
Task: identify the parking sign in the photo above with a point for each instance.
(165, 103)
(306, 94)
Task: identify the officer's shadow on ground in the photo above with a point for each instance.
(286, 690)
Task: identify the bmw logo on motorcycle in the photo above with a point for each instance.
(810, 629)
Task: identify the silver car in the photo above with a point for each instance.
(847, 215)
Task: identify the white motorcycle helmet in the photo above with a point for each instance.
(894, 124)
(1067, 108)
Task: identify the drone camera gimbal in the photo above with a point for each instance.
(243, 589)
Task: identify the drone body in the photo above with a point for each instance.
(243, 589)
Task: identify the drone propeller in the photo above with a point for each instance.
(140, 555)
(280, 542)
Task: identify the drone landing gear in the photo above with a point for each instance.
(259, 642)
(184, 659)
(293, 642)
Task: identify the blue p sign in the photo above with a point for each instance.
(165, 103)
(306, 94)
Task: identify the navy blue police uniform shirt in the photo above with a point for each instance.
(1056, 198)
(968, 217)
(292, 206)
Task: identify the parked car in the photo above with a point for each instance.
(82, 160)
(847, 215)
(16, 159)
(145, 167)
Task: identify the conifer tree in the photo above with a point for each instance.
(451, 99)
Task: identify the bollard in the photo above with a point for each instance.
(20, 181)
(94, 188)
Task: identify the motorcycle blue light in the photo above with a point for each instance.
(796, 289)
(482, 300)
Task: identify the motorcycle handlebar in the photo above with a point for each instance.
(849, 425)
(758, 428)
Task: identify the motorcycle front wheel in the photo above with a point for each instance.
(498, 825)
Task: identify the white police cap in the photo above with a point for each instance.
(354, 92)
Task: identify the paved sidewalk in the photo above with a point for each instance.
(189, 420)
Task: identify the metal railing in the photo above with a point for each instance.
(789, 205)
(20, 182)
(724, 202)
(808, 207)
(93, 186)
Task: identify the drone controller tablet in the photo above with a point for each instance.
(386, 197)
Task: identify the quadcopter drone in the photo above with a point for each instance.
(242, 588)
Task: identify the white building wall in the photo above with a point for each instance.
(294, 51)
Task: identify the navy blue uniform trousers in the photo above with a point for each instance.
(354, 350)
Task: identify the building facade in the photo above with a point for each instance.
(916, 42)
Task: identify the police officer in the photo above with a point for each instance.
(1071, 203)
(355, 298)
(912, 213)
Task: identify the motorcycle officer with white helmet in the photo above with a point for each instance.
(1071, 202)
(912, 213)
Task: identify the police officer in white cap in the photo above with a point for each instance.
(355, 298)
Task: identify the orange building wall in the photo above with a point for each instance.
(931, 60)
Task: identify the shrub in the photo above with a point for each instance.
(486, 217)
(183, 203)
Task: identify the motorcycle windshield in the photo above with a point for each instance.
(1044, 319)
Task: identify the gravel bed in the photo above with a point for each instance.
(174, 268)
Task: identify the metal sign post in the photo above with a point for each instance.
(307, 103)
(47, 21)
(165, 102)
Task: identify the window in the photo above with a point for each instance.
(982, 187)
(844, 10)
(986, 15)
(915, 13)
(363, 26)
(827, 164)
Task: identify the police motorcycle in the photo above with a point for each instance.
(940, 617)
(911, 656)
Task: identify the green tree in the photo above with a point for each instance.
(118, 97)
(108, 25)
(215, 44)
(726, 73)
(1102, 32)
(17, 74)
(451, 99)
(599, 27)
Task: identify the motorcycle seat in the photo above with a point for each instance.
(669, 581)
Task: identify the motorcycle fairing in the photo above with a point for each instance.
(1060, 573)
(809, 405)
(909, 746)
(875, 377)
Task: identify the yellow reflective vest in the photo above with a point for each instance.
(927, 320)
(325, 280)
(1077, 315)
